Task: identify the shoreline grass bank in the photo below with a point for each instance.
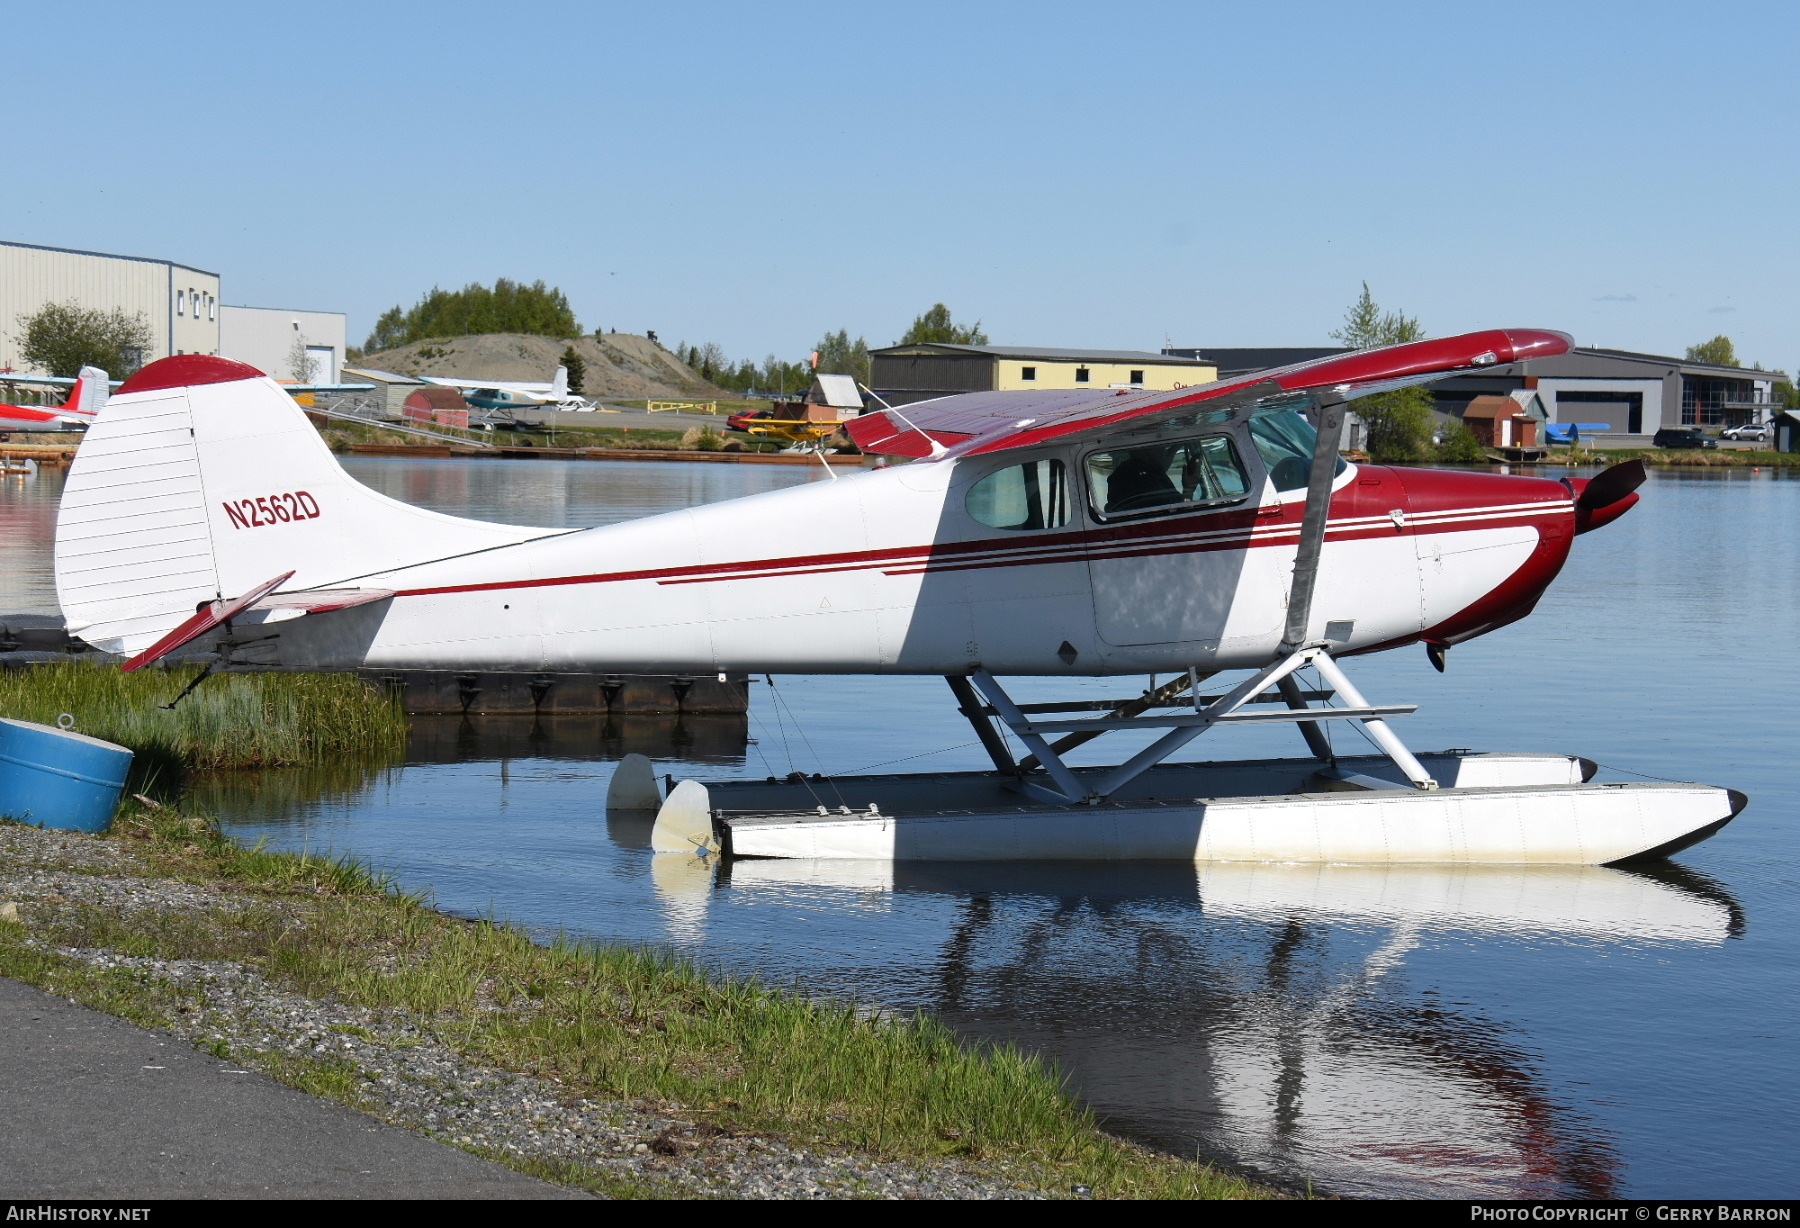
(231, 720)
(1662, 458)
(638, 1029)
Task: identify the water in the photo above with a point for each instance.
(1552, 1032)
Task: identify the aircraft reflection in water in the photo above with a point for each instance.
(1260, 1012)
(279, 795)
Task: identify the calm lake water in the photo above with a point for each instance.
(1412, 1031)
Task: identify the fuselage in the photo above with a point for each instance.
(30, 418)
(1066, 559)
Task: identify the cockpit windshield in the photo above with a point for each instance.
(1285, 441)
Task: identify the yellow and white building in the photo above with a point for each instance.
(902, 374)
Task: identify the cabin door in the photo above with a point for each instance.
(1173, 563)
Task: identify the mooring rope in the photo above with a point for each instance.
(782, 704)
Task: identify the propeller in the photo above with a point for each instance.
(1611, 485)
(1603, 499)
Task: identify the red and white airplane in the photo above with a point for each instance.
(86, 397)
(1102, 532)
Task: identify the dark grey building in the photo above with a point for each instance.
(1632, 395)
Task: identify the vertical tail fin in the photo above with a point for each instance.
(202, 478)
(559, 384)
(90, 393)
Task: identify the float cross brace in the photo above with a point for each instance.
(1182, 727)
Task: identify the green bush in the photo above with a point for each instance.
(1461, 445)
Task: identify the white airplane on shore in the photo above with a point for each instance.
(520, 394)
(1078, 532)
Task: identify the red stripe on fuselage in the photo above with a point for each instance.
(1434, 501)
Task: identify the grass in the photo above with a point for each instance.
(605, 1022)
(230, 720)
(1721, 458)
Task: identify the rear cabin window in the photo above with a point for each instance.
(1034, 495)
(1158, 477)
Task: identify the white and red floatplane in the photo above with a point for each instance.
(87, 395)
(1079, 533)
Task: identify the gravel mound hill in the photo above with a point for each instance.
(621, 365)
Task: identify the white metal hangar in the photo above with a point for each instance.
(180, 303)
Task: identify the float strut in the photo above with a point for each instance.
(1066, 781)
(1316, 741)
(1384, 737)
(971, 706)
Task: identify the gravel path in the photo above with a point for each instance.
(405, 1076)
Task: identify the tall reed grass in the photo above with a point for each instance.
(230, 721)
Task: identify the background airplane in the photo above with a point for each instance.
(514, 394)
(87, 394)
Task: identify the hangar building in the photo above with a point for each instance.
(1627, 394)
(903, 374)
(178, 301)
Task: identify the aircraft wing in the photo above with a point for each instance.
(48, 381)
(979, 422)
(507, 385)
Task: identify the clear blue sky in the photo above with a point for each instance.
(1086, 175)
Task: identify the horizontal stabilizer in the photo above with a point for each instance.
(323, 600)
(210, 615)
(278, 606)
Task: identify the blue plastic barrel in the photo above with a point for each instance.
(53, 777)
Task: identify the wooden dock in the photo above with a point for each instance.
(42, 453)
(453, 693)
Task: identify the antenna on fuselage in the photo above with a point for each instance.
(937, 449)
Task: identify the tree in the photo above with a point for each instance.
(1400, 422)
(712, 360)
(838, 355)
(1719, 351)
(936, 325)
(1367, 326)
(302, 366)
(576, 366)
(506, 307)
(62, 338)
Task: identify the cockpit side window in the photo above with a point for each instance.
(1167, 476)
(1285, 441)
(1034, 495)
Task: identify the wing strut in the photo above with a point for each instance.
(1300, 597)
(1312, 525)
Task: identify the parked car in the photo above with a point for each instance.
(1747, 434)
(1690, 438)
